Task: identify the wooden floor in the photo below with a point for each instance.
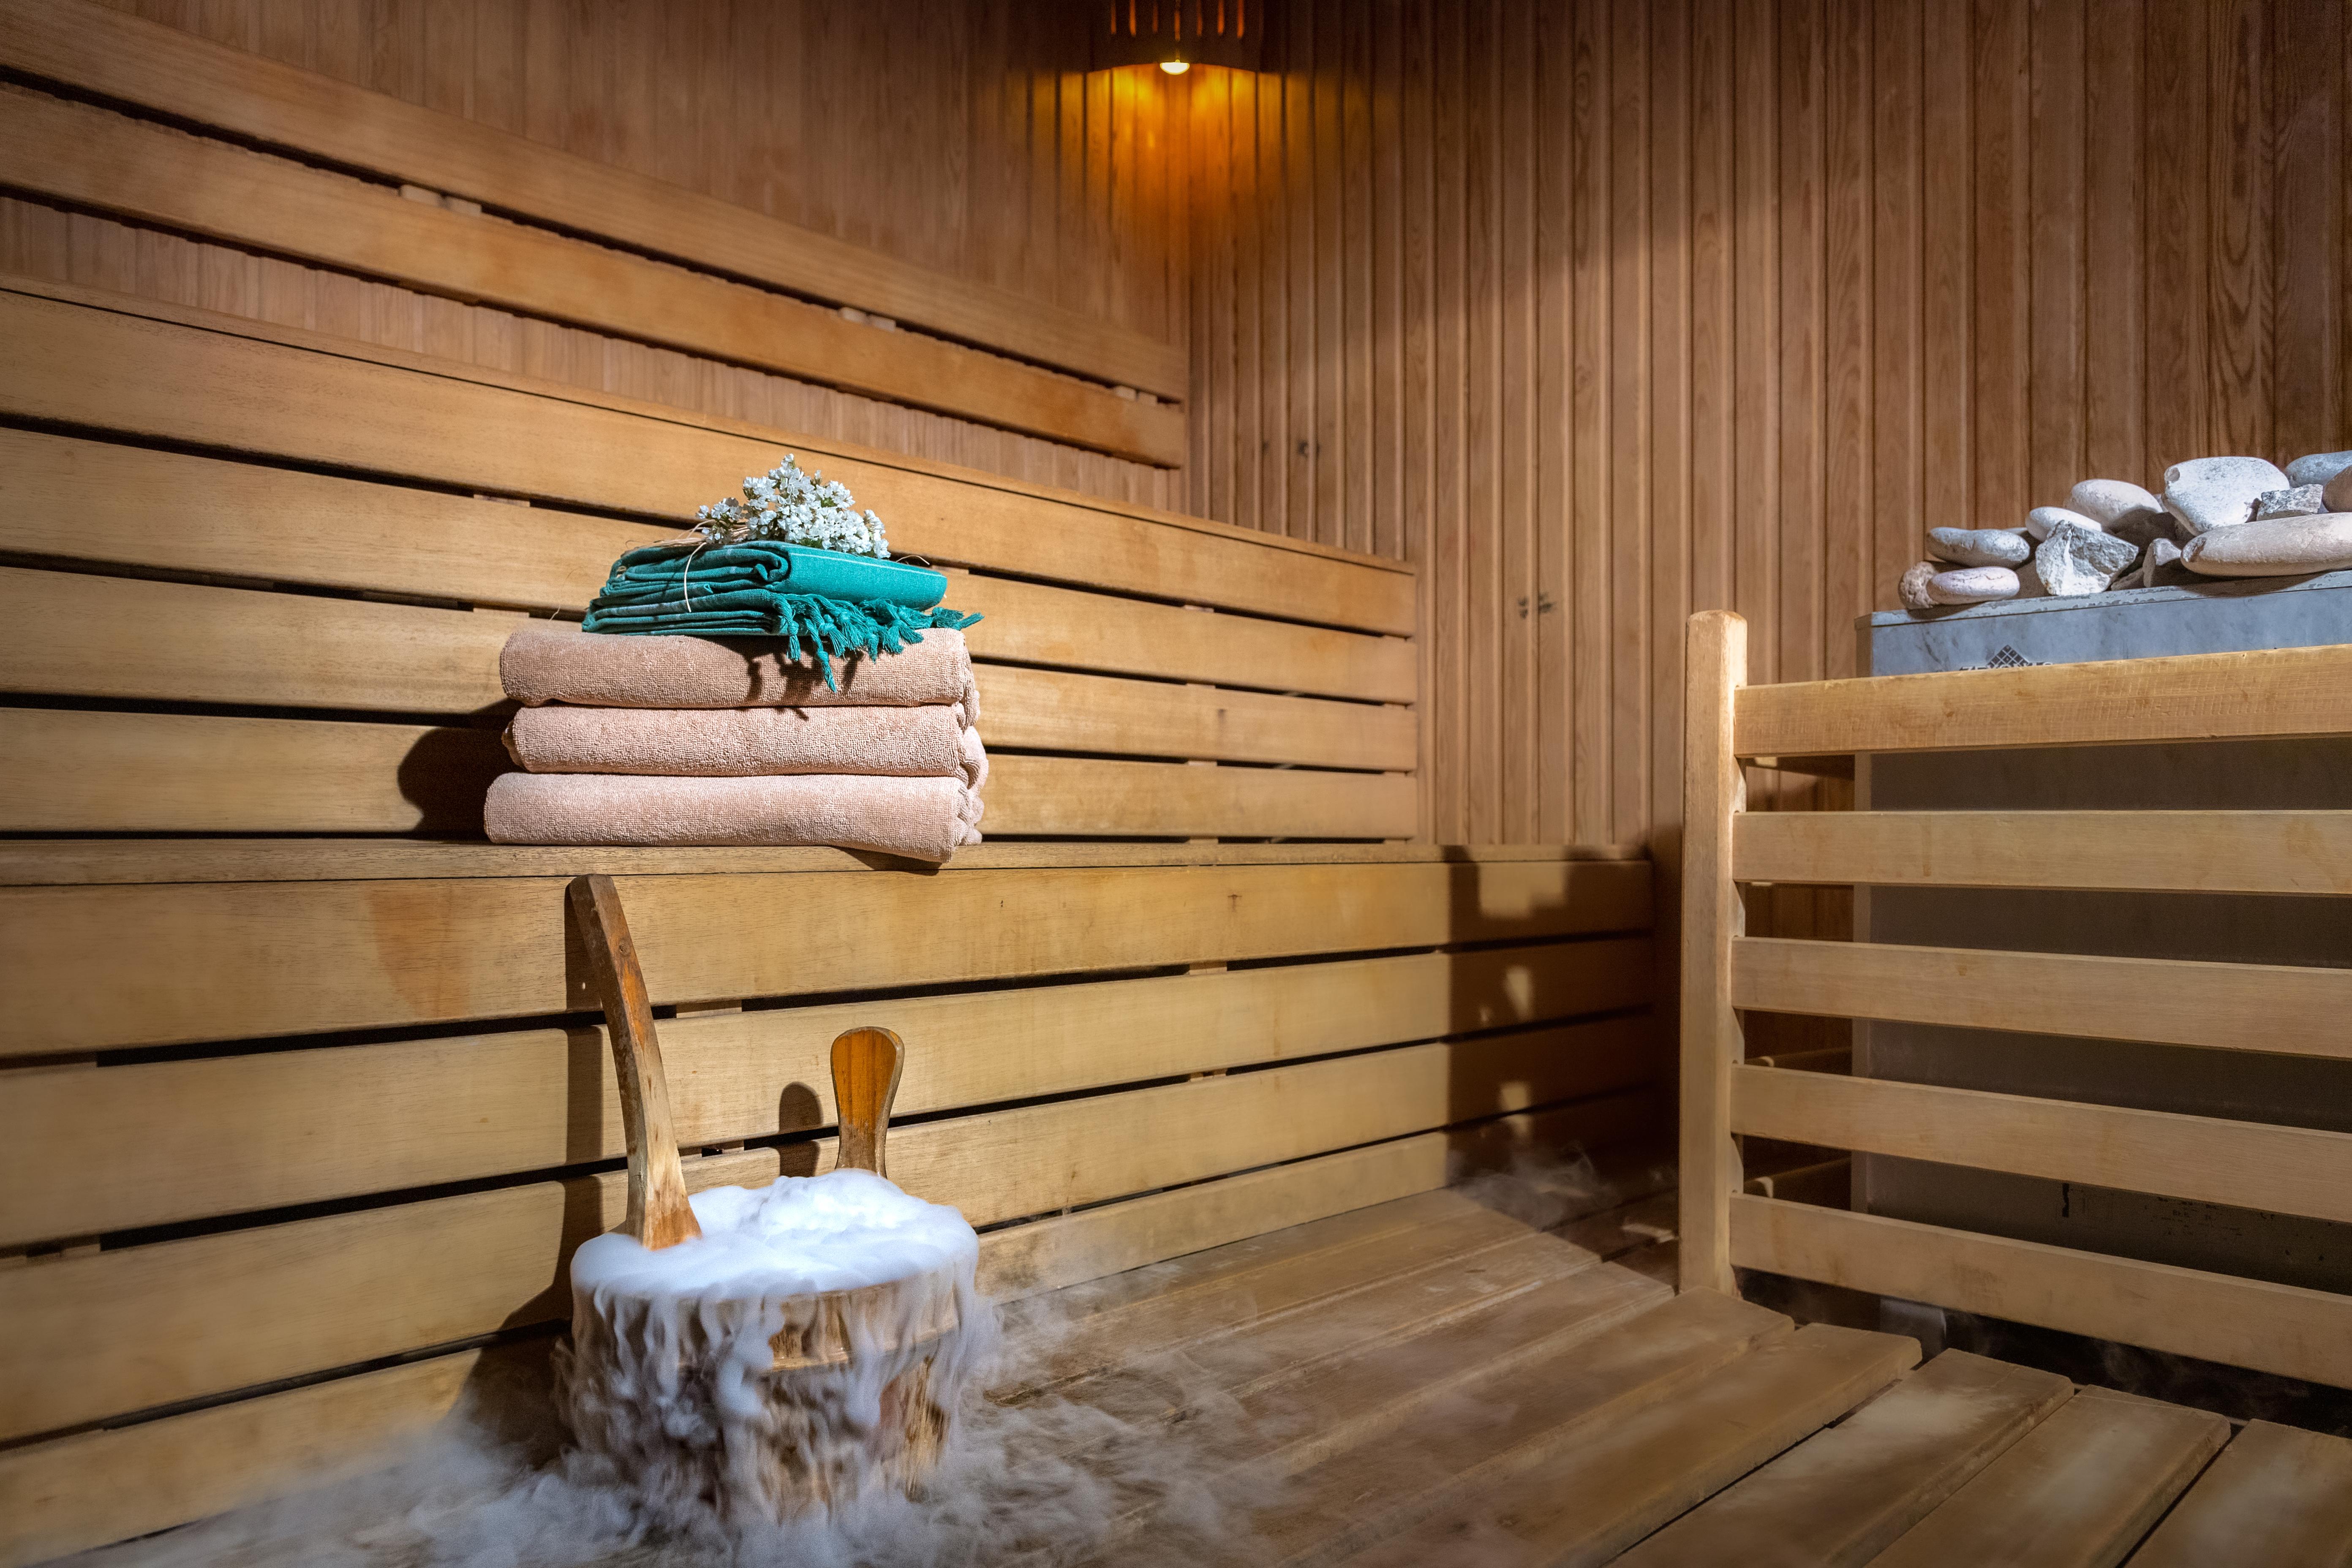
(1431, 1382)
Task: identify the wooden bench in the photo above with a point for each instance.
(2302, 1170)
(305, 1100)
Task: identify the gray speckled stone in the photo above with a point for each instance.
(2317, 468)
(1973, 586)
(2297, 501)
(1978, 546)
(2206, 493)
(2042, 519)
(2075, 563)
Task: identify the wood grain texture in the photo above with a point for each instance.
(2293, 1009)
(191, 961)
(1805, 280)
(222, 382)
(466, 153)
(657, 1214)
(414, 1275)
(2283, 1328)
(2079, 1490)
(2277, 1494)
(2307, 852)
(238, 1133)
(93, 159)
(2191, 697)
(2243, 1164)
(1713, 920)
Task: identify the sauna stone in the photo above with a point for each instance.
(2042, 519)
(2206, 493)
(2274, 547)
(2299, 501)
(2317, 468)
(2337, 496)
(1911, 589)
(2117, 504)
(1973, 586)
(2161, 555)
(1978, 546)
(2075, 561)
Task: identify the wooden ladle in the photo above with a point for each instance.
(658, 1214)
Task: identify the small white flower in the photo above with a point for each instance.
(796, 507)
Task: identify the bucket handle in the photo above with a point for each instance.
(658, 1214)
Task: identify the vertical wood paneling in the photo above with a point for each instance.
(1721, 302)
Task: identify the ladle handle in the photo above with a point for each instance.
(865, 1067)
(659, 1215)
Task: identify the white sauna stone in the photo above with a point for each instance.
(1978, 546)
(2110, 501)
(2274, 547)
(2206, 493)
(1911, 589)
(2317, 468)
(2042, 519)
(2297, 501)
(1973, 586)
(2075, 563)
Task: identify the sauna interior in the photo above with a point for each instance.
(1051, 782)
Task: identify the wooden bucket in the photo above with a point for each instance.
(813, 1447)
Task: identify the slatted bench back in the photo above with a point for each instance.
(310, 522)
(2306, 1010)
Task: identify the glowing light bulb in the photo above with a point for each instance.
(1175, 68)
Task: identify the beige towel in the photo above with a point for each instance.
(922, 819)
(541, 664)
(703, 743)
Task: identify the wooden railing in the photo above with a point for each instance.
(675, 268)
(2284, 1009)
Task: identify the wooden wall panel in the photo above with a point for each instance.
(1649, 306)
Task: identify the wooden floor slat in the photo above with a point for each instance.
(2077, 1491)
(2278, 1497)
(1840, 1497)
(1584, 1499)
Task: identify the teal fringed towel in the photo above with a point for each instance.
(819, 601)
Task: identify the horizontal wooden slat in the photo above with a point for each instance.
(94, 158)
(130, 965)
(2194, 697)
(228, 1135)
(1040, 709)
(2173, 851)
(66, 771)
(1071, 796)
(81, 862)
(65, 1496)
(2285, 1170)
(174, 773)
(103, 501)
(162, 372)
(140, 1326)
(163, 68)
(2292, 1009)
(2251, 1323)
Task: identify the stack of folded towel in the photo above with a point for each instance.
(790, 712)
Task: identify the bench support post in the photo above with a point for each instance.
(1714, 793)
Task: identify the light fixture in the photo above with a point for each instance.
(1175, 34)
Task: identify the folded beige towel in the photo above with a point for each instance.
(923, 819)
(541, 664)
(704, 742)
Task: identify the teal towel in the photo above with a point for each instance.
(818, 600)
(684, 569)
